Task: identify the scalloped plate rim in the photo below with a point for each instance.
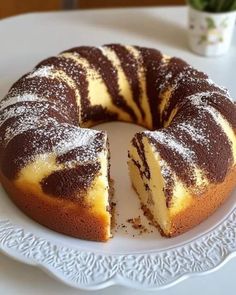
(117, 279)
(115, 282)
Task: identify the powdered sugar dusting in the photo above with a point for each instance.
(74, 139)
(196, 99)
(172, 80)
(24, 124)
(10, 100)
(223, 89)
(12, 113)
(196, 133)
(41, 72)
(169, 140)
(165, 169)
(168, 75)
(50, 136)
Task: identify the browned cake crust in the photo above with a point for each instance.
(200, 208)
(203, 206)
(61, 215)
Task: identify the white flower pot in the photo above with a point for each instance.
(210, 34)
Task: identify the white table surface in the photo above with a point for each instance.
(27, 39)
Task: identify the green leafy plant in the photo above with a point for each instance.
(213, 5)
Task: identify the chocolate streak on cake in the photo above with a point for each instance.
(179, 164)
(40, 140)
(130, 67)
(215, 157)
(96, 146)
(78, 74)
(138, 144)
(136, 163)
(168, 187)
(40, 111)
(171, 72)
(51, 89)
(151, 60)
(43, 109)
(212, 158)
(109, 74)
(22, 148)
(188, 86)
(13, 158)
(70, 183)
(168, 191)
(224, 106)
(111, 190)
(174, 71)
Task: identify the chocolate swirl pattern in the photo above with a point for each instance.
(57, 171)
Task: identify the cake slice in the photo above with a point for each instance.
(66, 178)
(175, 193)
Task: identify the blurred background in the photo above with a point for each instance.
(13, 7)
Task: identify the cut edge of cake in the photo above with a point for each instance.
(185, 207)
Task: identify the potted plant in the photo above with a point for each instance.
(211, 25)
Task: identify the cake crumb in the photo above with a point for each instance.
(113, 204)
(136, 224)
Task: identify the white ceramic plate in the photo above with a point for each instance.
(146, 261)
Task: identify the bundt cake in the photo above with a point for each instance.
(57, 170)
